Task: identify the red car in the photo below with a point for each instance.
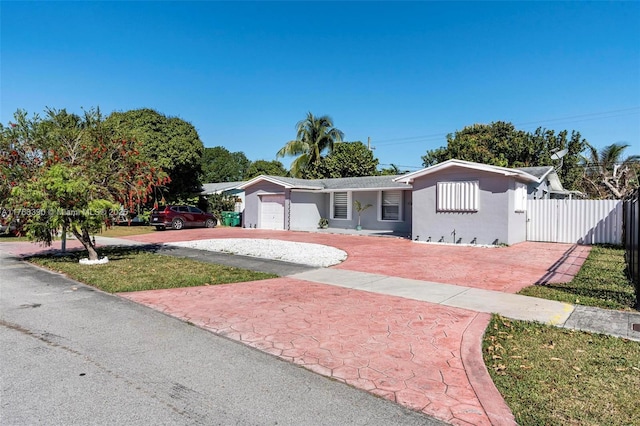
(178, 217)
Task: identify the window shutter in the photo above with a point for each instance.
(391, 202)
(340, 205)
(457, 196)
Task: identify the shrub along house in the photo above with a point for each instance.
(454, 201)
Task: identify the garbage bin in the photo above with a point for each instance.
(226, 218)
(234, 218)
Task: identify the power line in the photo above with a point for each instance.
(401, 166)
(413, 137)
(583, 117)
(573, 119)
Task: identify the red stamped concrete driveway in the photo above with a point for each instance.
(507, 269)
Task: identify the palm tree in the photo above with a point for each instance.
(360, 208)
(314, 136)
(607, 173)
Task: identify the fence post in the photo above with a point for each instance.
(631, 239)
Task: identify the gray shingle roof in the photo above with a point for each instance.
(538, 172)
(364, 182)
(337, 184)
(212, 188)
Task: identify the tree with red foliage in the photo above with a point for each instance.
(69, 172)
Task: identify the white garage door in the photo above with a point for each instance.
(272, 213)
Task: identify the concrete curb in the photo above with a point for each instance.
(471, 354)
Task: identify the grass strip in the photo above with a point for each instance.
(554, 376)
(10, 238)
(136, 269)
(601, 282)
(125, 231)
(113, 232)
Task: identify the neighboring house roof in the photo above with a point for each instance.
(521, 175)
(218, 187)
(539, 172)
(330, 185)
(550, 174)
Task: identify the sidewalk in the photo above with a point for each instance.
(514, 306)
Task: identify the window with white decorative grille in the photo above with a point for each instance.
(457, 196)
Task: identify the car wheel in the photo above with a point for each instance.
(210, 223)
(159, 228)
(177, 224)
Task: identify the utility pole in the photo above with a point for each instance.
(369, 143)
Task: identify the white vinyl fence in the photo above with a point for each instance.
(575, 221)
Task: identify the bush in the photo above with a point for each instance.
(219, 203)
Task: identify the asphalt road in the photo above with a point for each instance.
(72, 355)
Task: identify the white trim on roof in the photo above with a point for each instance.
(214, 189)
(410, 177)
(271, 179)
(372, 189)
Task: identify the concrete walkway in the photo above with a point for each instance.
(474, 299)
(514, 306)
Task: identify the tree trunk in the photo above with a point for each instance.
(612, 188)
(85, 239)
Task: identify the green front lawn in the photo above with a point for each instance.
(601, 282)
(135, 269)
(555, 376)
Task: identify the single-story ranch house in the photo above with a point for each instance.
(454, 201)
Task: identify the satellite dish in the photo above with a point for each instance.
(558, 155)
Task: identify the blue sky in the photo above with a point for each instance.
(404, 74)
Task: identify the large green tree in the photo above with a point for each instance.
(501, 144)
(498, 144)
(221, 165)
(264, 167)
(171, 142)
(314, 136)
(608, 173)
(71, 173)
(348, 159)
